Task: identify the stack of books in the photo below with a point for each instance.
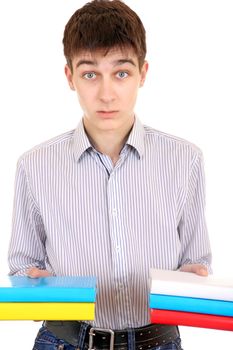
(47, 298)
(186, 299)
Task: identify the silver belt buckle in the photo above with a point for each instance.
(92, 334)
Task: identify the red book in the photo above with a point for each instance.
(180, 318)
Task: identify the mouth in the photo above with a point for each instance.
(106, 114)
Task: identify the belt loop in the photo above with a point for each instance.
(131, 339)
(81, 335)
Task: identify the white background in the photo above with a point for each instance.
(188, 93)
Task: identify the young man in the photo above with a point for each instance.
(112, 198)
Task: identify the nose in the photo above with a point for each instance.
(106, 90)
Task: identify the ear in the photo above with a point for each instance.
(69, 76)
(144, 70)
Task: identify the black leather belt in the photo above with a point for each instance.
(145, 337)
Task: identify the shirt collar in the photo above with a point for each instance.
(136, 137)
(81, 142)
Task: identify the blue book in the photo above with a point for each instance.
(48, 289)
(205, 306)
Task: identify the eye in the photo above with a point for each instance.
(122, 75)
(89, 75)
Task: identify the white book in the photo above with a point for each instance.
(190, 285)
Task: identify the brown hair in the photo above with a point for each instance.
(104, 24)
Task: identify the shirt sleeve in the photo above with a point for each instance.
(195, 244)
(27, 243)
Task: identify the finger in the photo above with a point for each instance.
(199, 269)
(202, 271)
(34, 272)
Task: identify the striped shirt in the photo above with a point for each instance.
(77, 214)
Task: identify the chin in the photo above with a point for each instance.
(109, 124)
(107, 128)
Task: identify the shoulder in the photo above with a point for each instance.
(51, 146)
(170, 142)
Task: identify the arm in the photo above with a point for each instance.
(27, 243)
(195, 245)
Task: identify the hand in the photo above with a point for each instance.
(34, 272)
(199, 269)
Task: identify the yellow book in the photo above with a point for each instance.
(47, 311)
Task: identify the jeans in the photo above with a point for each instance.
(45, 340)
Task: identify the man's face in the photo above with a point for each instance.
(107, 87)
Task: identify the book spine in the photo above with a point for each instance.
(204, 291)
(47, 311)
(47, 294)
(191, 319)
(206, 306)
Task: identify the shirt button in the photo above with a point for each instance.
(114, 211)
(118, 247)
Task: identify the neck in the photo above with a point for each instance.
(109, 142)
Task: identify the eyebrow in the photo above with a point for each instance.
(88, 62)
(123, 61)
(115, 63)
